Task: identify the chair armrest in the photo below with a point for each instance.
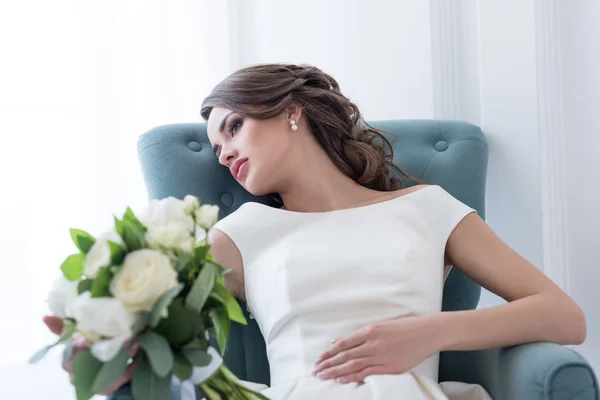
(537, 371)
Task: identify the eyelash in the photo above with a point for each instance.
(234, 126)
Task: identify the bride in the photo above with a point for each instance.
(345, 277)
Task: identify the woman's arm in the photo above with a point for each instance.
(537, 309)
(227, 255)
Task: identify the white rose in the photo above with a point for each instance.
(62, 296)
(104, 317)
(99, 254)
(166, 211)
(207, 215)
(190, 203)
(172, 235)
(145, 276)
(169, 226)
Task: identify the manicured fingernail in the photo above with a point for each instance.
(334, 340)
(322, 375)
(343, 380)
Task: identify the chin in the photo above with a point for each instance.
(255, 189)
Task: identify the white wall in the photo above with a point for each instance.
(580, 26)
(382, 59)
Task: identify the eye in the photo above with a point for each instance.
(234, 126)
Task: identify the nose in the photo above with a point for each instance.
(227, 156)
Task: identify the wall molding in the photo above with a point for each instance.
(445, 59)
(552, 142)
(233, 19)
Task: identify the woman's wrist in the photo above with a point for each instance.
(437, 331)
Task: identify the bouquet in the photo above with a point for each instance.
(149, 282)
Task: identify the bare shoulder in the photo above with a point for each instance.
(409, 190)
(227, 255)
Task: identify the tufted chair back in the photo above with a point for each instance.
(177, 160)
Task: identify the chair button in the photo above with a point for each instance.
(442, 145)
(227, 199)
(195, 146)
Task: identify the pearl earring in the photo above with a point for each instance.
(294, 126)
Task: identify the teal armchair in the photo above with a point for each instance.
(177, 160)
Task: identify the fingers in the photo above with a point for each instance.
(344, 344)
(133, 349)
(343, 357)
(55, 324)
(361, 375)
(351, 367)
(126, 377)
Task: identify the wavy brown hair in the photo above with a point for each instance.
(267, 90)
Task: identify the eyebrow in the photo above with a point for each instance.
(224, 121)
(216, 147)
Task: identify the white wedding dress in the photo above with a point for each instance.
(314, 277)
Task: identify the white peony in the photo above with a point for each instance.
(169, 226)
(191, 203)
(166, 211)
(170, 236)
(145, 276)
(99, 254)
(62, 296)
(103, 317)
(207, 215)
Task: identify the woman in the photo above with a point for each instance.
(344, 313)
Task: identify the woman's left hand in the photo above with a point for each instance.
(391, 347)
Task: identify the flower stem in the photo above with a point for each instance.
(224, 385)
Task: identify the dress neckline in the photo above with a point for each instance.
(342, 210)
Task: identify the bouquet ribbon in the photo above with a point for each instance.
(199, 375)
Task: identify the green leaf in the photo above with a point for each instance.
(84, 285)
(69, 328)
(158, 351)
(141, 322)
(100, 287)
(200, 253)
(146, 385)
(85, 368)
(72, 267)
(111, 371)
(183, 262)
(129, 216)
(180, 325)
(41, 353)
(162, 304)
(222, 324)
(119, 226)
(234, 311)
(182, 368)
(133, 236)
(201, 288)
(83, 240)
(196, 356)
(117, 253)
(67, 351)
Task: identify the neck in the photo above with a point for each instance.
(317, 185)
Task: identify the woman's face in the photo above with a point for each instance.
(253, 150)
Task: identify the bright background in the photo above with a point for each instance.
(80, 80)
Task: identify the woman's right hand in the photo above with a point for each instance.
(55, 324)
